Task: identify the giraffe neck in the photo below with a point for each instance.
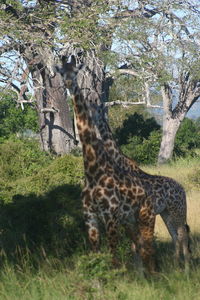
(91, 146)
(111, 147)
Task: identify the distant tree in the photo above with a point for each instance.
(157, 43)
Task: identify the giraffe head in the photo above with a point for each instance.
(69, 72)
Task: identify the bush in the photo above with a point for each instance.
(21, 158)
(40, 200)
(135, 125)
(143, 151)
(13, 119)
(140, 138)
(187, 138)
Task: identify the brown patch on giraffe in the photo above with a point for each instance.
(98, 192)
(90, 154)
(108, 169)
(99, 174)
(111, 152)
(79, 128)
(126, 207)
(105, 203)
(110, 183)
(93, 234)
(87, 199)
(87, 136)
(102, 180)
(128, 182)
(114, 201)
(130, 194)
(108, 144)
(93, 169)
(108, 193)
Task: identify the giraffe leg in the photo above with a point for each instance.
(145, 242)
(133, 233)
(172, 229)
(91, 221)
(112, 234)
(183, 237)
(93, 230)
(180, 236)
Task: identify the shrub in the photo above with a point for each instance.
(144, 151)
(20, 158)
(135, 125)
(187, 138)
(13, 119)
(39, 199)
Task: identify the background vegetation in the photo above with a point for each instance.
(151, 50)
(44, 250)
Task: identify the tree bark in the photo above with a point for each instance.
(56, 128)
(170, 128)
(172, 118)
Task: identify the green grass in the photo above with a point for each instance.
(44, 250)
(64, 280)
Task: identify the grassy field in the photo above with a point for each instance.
(44, 251)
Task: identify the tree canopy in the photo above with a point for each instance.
(149, 48)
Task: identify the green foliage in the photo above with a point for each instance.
(43, 239)
(139, 138)
(97, 266)
(142, 150)
(135, 125)
(187, 138)
(13, 119)
(39, 199)
(20, 158)
(84, 27)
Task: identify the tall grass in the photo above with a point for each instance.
(44, 250)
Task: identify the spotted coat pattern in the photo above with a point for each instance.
(110, 194)
(168, 196)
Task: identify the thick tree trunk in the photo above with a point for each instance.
(56, 131)
(171, 122)
(56, 128)
(170, 128)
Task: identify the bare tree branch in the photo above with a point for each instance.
(129, 103)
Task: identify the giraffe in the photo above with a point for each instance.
(168, 196)
(110, 195)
